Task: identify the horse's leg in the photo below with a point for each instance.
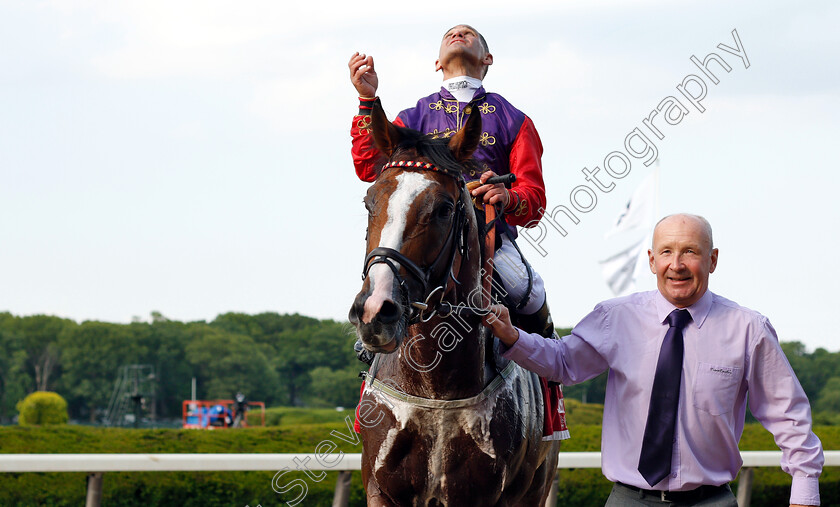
(543, 477)
(375, 497)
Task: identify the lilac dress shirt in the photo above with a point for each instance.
(729, 350)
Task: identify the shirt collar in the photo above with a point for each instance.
(460, 82)
(699, 310)
(448, 95)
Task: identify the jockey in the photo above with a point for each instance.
(509, 144)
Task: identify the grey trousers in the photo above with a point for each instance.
(621, 496)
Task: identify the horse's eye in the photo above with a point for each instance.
(444, 212)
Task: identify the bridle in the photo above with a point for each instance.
(456, 242)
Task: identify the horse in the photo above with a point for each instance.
(444, 421)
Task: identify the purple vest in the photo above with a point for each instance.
(441, 114)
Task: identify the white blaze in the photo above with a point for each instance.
(409, 186)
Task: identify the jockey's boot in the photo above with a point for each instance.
(362, 353)
(539, 322)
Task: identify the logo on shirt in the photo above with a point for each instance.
(721, 370)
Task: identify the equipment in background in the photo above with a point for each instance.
(133, 396)
(219, 414)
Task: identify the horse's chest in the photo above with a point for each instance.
(458, 456)
(442, 454)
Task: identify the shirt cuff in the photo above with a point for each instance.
(520, 350)
(804, 490)
(365, 105)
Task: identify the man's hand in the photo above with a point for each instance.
(363, 76)
(498, 320)
(493, 194)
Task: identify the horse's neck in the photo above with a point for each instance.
(442, 359)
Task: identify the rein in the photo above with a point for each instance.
(455, 242)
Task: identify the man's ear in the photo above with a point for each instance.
(438, 66)
(386, 136)
(487, 60)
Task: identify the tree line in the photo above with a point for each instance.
(280, 359)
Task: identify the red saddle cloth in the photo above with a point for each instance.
(554, 427)
(554, 411)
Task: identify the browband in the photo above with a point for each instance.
(411, 164)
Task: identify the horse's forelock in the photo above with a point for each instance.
(436, 150)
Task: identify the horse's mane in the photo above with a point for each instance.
(436, 149)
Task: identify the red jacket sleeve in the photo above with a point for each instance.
(367, 159)
(527, 203)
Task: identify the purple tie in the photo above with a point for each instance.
(658, 442)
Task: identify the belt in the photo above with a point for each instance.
(692, 495)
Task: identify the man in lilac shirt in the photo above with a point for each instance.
(729, 351)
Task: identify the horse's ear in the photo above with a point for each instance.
(465, 141)
(386, 136)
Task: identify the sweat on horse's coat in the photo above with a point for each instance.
(472, 421)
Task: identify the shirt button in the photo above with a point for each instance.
(674, 476)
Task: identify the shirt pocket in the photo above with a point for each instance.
(715, 387)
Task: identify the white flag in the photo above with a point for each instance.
(622, 269)
(640, 209)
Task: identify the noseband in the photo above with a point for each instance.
(456, 241)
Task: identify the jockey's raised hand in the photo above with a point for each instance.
(362, 75)
(493, 193)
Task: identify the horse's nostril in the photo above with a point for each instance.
(389, 313)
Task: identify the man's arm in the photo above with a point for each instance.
(367, 159)
(527, 195)
(524, 203)
(778, 401)
(570, 360)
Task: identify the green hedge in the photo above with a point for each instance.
(577, 487)
(168, 488)
(295, 416)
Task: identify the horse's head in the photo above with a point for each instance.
(418, 220)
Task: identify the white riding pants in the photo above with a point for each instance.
(514, 275)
